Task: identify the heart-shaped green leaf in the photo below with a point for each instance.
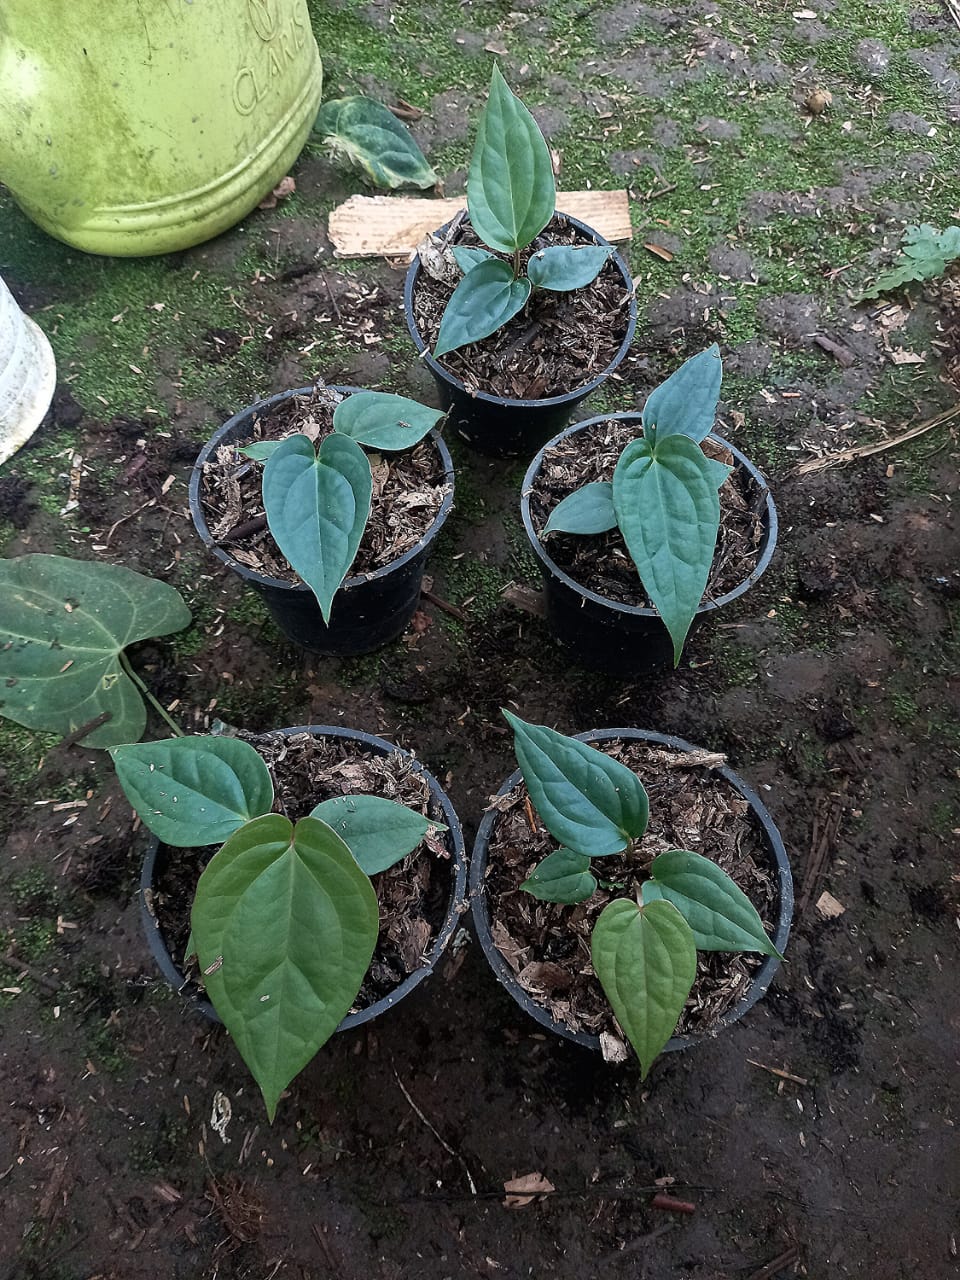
(285, 925)
(317, 508)
(719, 471)
(564, 267)
(646, 961)
(383, 421)
(686, 404)
(260, 450)
(562, 876)
(592, 804)
(467, 258)
(378, 832)
(63, 627)
(669, 514)
(720, 915)
(194, 791)
(586, 510)
(372, 138)
(511, 194)
(482, 302)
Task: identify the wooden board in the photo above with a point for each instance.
(393, 226)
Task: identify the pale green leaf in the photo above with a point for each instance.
(669, 514)
(511, 194)
(562, 876)
(482, 302)
(590, 803)
(586, 510)
(564, 267)
(317, 508)
(721, 916)
(924, 256)
(383, 421)
(63, 626)
(686, 404)
(377, 831)
(285, 924)
(194, 791)
(646, 962)
(467, 257)
(372, 138)
(259, 450)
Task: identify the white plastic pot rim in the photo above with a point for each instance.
(28, 375)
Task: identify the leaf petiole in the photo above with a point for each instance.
(157, 706)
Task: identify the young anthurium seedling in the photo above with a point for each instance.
(317, 502)
(511, 196)
(664, 496)
(285, 918)
(644, 953)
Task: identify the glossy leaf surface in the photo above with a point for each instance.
(194, 791)
(564, 267)
(562, 876)
(369, 136)
(720, 915)
(484, 300)
(587, 510)
(588, 802)
(646, 962)
(377, 831)
(511, 193)
(317, 508)
(467, 257)
(383, 421)
(686, 404)
(669, 514)
(285, 924)
(63, 625)
(260, 450)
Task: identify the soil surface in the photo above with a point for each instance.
(817, 1137)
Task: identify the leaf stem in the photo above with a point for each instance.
(516, 264)
(160, 710)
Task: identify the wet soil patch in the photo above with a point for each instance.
(557, 343)
(408, 492)
(414, 894)
(601, 562)
(547, 944)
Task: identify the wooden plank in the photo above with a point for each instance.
(393, 226)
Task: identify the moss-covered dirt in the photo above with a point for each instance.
(832, 687)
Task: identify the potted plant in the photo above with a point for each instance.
(519, 312)
(645, 523)
(595, 919)
(274, 862)
(297, 491)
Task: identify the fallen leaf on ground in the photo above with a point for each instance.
(660, 251)
(524, 1190)
(829, 907)
(285, 187)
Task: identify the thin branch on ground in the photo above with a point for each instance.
(880, 446)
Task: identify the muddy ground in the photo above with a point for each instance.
(832, 687)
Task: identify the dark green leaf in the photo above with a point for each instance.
(669, 514)
(686, 404)
(562, 876)
(467, 258)
(721, 916)
(317, 508)
(646, 962)
(63, 625)
(564, 267)
(383, 421)
(586, 510)
(377, 831)
(372, 138)
(194, 791)
(482, 302)
(285, 925)
(592, 804)
(260, 450)
(511, 193)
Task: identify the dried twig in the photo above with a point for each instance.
(76, 735)
(775, 1071)
(954, 8)
(866, 450)
(446, 1146)
(827, 814)
(444, 605)
(777, 1264)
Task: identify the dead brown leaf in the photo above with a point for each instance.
(524, 1190)
(659, 251)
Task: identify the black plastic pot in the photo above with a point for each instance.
(620, 638)
(498, 426)
(370, 609)
(480, 905)
(153, 862)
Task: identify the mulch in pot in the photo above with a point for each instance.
(413, 895)
(601, 562)
(408, 491)
(557, 343)
(547, 944)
